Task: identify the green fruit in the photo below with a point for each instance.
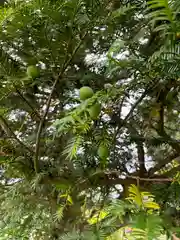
(33, 71)
(85, 93)
(103, 152)
(94, 111)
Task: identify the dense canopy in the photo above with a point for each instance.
(89, 119)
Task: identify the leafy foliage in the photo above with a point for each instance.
(54, 182)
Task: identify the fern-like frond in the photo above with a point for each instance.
(146, 227)
(59, 214)
(137, 234)
(163, 13)
(161, 10)
(119, 208)
(73, 146)
(63, 124)
(122, 11)
(135, 195)
(142, 199)
(74, 235)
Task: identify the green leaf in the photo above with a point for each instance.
(122, 11)
(59, 213)
(98, 217)
(68, 198)
(135, 195)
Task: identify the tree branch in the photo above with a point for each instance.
(172, 171)
(141, 159)
(140, 149)
(162, 164)
(150, 141)
(9, 132)
(167, 138)
(161, 121)
(160, 128)
(136, 104)
(123, 121)
(60, 75)
(28, 103)
(111, 178)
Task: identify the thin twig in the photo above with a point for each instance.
(28, 103)
(162, 164)
(113, 176)
(136, 104)
(60, 75)
(130, 112)
(152, 179)
(141, 178)
(5, 126)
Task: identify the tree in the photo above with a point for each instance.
(59, 165)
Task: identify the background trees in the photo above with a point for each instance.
(54, 178)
